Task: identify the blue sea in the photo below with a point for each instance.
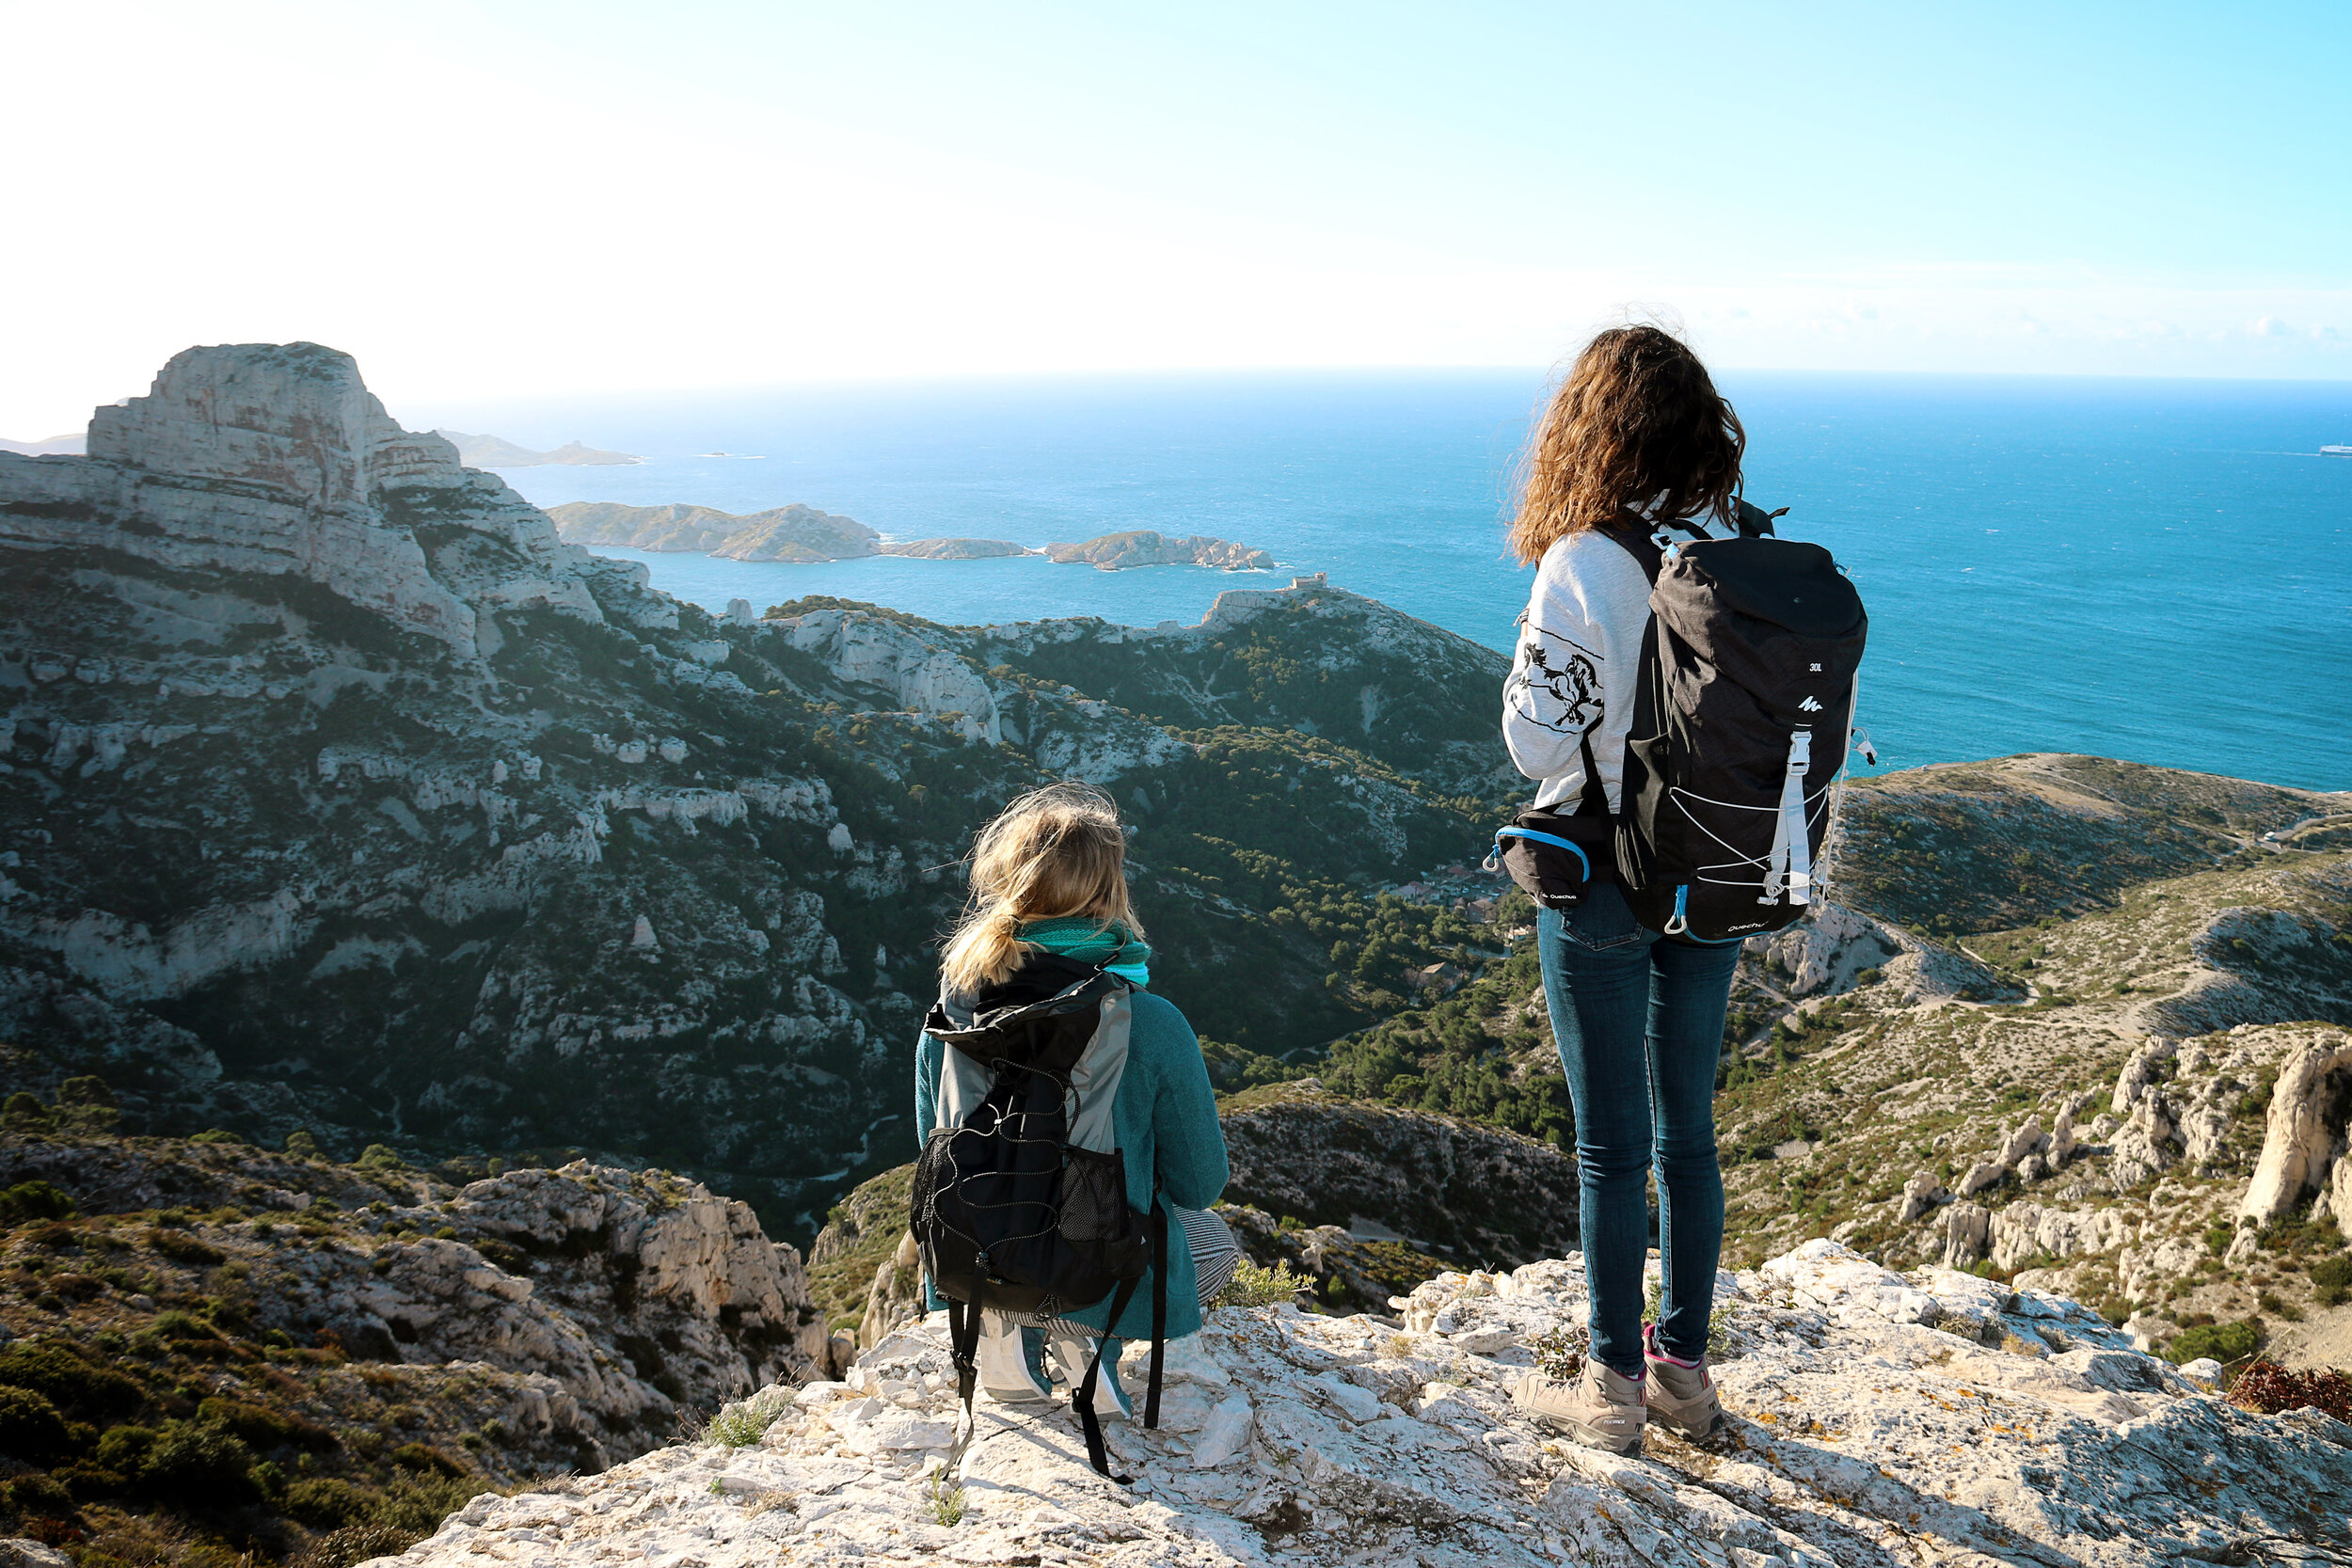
(2153, 570)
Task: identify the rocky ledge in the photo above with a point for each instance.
(1878, 1419)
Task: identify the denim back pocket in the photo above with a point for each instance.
(1603, 922)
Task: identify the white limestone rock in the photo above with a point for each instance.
(1861, 1435)
(2311, 1110)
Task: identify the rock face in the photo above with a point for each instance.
(1112, 552)
(1877, 1418)
(274, 460)
(576, 1316)
(491, 452)
(793, 533)
(1480, 1192)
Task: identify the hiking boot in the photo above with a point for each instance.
(1071, 1355)
(1011, 1366)
(1600, 1409)
(1681, 1397)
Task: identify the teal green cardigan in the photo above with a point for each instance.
(1165, 1120)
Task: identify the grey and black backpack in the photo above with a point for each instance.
(1742, 717)
(1020, 1199)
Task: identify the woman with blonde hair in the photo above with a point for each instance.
(1050, 918)
(1636, 442)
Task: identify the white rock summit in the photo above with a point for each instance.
(1932, 1418)
(276, 459)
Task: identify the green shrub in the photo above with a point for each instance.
(21, 1113)
(326, 1503)
(73, 1384)
(200, 1465)
(356, 1543)
(35, 1200)
(38, 1497)
(2332, 1279)
(263, 1427)
(304, 1145)
(124, 1448)
(182, 1248)
(176, 1324)
(1254, 1286)
(30, 1428)
(219, 1135)
(2223, 1342)
(416, 1456)
(379, 1157)
(739, 1425)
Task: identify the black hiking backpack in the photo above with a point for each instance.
(1020, 1195)
(1743, 716)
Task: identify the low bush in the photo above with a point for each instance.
(2332, 1279)
(35, 1200)
(2223, 1342)
(326, 1503)
(199, 1465)
(264, 1428)
(88, 1392)
(416, 1456)
(182, 1248)
(356, 1543)
(30, 1428)
(38, 1497)
(2269, 1388)
(1254, 1286)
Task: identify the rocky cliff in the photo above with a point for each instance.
(1877, 1418)
(342, 795)
(300, 1358)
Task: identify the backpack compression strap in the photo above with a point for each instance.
(1159, 1314)
(964, 1342)
(1082, 1398)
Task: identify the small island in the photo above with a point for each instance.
(802, 534)
(493, 452)
(790, 534)
(956, 549)
(1112, 552)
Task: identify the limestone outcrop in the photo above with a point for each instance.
(275, 460)
(1877, 1418)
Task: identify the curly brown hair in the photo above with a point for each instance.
(1637, 416)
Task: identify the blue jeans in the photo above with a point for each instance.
(1640, 1024)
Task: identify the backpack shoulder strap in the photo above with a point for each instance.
(1632, 536)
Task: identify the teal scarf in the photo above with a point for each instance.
(1092, 942)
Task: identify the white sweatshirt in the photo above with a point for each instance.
(1579, 653)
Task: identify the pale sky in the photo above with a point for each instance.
(508, 198)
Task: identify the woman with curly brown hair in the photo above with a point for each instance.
(1637, 442)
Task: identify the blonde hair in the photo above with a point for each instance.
(1057, 853)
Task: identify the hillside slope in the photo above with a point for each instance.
(342, 795)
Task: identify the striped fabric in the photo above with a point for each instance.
(1215, 1257)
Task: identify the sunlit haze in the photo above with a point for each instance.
(520, 198)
